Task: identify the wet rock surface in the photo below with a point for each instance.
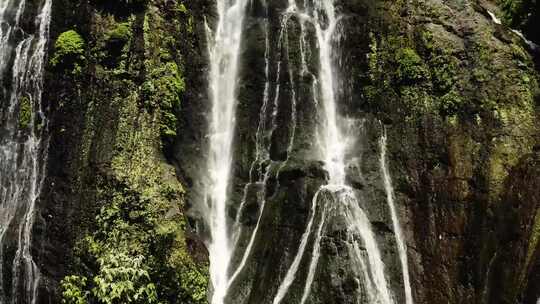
(456, 93)
(460, 121)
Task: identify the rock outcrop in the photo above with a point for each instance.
(456, 93)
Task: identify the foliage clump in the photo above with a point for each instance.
(523, 15)
(517, 12)
(410, 66)
(25, 112)
(162, 92)
(119, 35)
(138, 252)
(69, 51)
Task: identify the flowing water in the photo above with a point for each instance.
(333, 141)
(224, 49)
(336, 200)
(402, 248)
(22, 145)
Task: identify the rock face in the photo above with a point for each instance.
(456, 94)
(112, 201)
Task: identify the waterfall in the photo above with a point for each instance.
(231, 244)
(333, 142)
(22, 146)
(402, 249)
(224, 49)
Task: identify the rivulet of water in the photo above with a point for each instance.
(402, 247)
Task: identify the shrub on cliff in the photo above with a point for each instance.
(162, 91)
(120, 35)
(69, 52)
(410, 66)
(137, 253)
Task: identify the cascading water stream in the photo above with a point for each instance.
(333, 139)
(22, 146)
(224, 49)
(402, 249)
(333, 143)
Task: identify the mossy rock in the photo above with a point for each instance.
(119, 35)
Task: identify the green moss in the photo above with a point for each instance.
(69, 51)
(411, 67)
(451, 103)
(135, 250)
(25, 112)
(443, 71)
(180, 7)
(120, 34)
(162, 92)
(427, 40)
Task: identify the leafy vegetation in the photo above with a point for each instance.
(162, 91)
(410, 66)
(69, 52)
(120, 34)
(135, 250)
(523, 15)
(517, 11)
(25, 112)
(139, 254)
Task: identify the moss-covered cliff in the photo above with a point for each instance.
(113, 210)
(126, 87)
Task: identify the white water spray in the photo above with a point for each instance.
(331, 139)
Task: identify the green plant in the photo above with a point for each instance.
(443, 72)
(123, 278)
(139, 254)
(451, 103)
(162, 91)
(120, 34)
(73, 290)
(25, 112)
(411, 67)
(69, 51)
